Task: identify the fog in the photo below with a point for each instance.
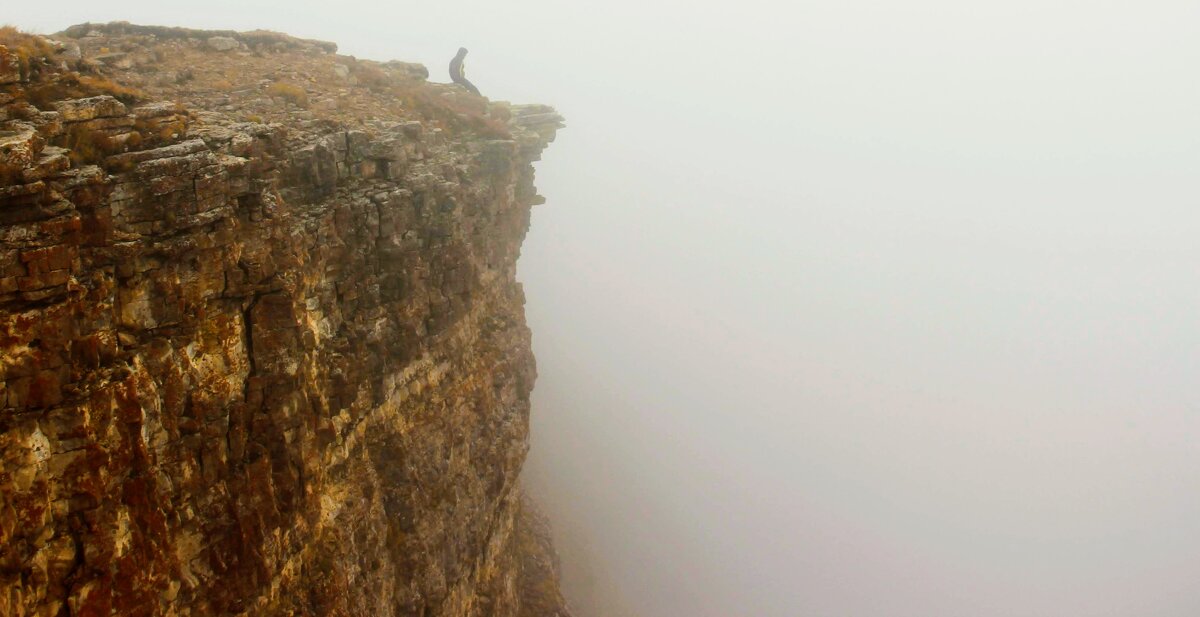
(843, 308)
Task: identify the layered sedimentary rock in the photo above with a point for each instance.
(262, 346)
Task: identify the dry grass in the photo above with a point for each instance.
(47, 83)
(454, 112)
(290, 93)
(372, 77)
(103, 85)
(73, 86)
(89, 147)
(28, 48)
(156, 131)
(446, 111)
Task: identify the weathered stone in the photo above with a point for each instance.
(10, 66)
(18, 191)
(19, 146)
(172, 151)
(22, 110)
(222, 43)
(78, 110)
(412, 70)
(70, 51)
(117, 60)
(115, 124)
(51, 162)
(49, 124)
(155, 110)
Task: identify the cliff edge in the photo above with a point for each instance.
(262, 346)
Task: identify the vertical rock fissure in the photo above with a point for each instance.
(248, 339)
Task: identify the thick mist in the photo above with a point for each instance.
(843, 308)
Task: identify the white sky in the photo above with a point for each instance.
(844, 308)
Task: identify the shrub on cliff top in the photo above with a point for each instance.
(289, 92)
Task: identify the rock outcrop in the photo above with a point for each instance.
(262, 346)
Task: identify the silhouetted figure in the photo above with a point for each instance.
(457, 74)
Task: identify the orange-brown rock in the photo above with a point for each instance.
(262, 346)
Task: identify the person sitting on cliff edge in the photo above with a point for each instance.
(458, 75)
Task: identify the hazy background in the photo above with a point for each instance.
(843, 308)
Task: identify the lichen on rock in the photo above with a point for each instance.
(258, 357)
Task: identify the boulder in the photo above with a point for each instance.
(79, 110)
(19, 147)
(223, 43)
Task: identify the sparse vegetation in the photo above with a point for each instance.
(448, 111)
(103, 85)
(90, 147)
(372, 77)
(289, 92)
(453, 111)
(27, 47)
(157, 131)
(377, 86)
(73, 85)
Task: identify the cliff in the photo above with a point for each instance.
(262, 346)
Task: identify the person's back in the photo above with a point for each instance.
(458, 73)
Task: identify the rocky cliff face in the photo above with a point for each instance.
(262, 347)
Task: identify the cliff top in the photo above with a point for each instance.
(219, 79)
